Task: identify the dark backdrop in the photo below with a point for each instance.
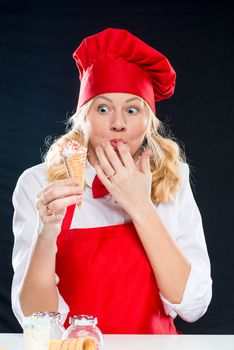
(39, 88)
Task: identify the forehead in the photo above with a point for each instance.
(118, 97)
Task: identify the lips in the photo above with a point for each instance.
(114, 142)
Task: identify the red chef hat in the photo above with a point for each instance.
(114, 60)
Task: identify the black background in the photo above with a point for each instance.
(39, 88)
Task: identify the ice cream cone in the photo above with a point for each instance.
(72, 344)
(89, 344)
(74, 156)
(76, 167)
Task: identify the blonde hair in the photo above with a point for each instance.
(166, 153)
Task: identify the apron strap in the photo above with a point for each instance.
(68, 217)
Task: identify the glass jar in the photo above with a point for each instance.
(85, 328)
(41, 328)
(56, 328)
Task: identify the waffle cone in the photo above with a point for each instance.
(72, 344)
(77, 344)
(89, 344)
(76, 167)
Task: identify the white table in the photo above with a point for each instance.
(144, 342)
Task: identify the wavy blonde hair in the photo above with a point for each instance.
(166, 153)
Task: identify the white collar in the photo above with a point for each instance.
(90, 174)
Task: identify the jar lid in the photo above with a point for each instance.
(83, 320)
(50, 314)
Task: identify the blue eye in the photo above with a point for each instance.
(103, 109)
(133, 110)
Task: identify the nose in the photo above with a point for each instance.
(118, 122)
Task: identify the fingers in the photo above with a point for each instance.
(102, 176)
(46, 215)
(52, 219)
(110, 161)
(55, 197)
(59, 183)
(59, 204)
(144, 162)
(125, 155)
(56, 192)
(108, 158)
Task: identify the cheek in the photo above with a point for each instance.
(95, 127)
(96, 130)
(139, 128)
(137, 134)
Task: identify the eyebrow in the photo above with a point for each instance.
(108, 99)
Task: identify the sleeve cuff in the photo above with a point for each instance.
(196, 297)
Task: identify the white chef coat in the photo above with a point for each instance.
(181, 218)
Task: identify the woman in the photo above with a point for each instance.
(134, 254)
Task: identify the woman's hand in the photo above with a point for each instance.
(52, 202)
(130, 184)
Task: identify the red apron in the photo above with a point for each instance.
(105, 272)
